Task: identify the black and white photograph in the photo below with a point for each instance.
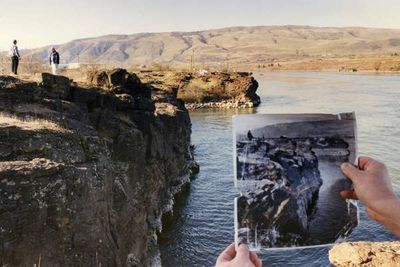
(287, 171)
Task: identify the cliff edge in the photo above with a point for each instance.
(86, 173)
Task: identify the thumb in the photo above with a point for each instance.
(350, 171)
(243, 252)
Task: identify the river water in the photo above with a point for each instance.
(202, 224)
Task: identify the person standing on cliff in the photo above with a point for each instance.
(54, 61)
(15, 57)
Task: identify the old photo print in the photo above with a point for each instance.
(287, 170)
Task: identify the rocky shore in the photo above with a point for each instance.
(366, 254)
(208, 89)
(86, 173)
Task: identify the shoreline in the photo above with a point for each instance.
(221, 105)
(330, 71)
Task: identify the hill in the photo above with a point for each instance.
(228, 46)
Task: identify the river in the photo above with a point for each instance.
(202, 224)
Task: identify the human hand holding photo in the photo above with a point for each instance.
(373, 187)
(240, 258)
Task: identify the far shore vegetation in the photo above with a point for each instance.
(31, 69)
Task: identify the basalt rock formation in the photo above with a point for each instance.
(365, 254)
(288, 181)
(208, 89)
(280, 182)
(86, 173)
(119, 81)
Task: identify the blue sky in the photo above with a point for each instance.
(43, 22)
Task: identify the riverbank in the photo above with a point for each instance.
(87, 173)
(377, 63)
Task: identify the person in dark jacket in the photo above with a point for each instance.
(250, 135)
(15, 57)
(54, 61)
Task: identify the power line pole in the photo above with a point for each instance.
(192, 61)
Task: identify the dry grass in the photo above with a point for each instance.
(29, 123)
(378, 63)
(364, 63)
(195, 94)
(33, 108)
(202, 89)
(27, 66)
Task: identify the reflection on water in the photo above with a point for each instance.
(203, 222)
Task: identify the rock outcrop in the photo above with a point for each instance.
(119, 81)
(366, 254)
(86, 173)
(280, 181)
(279, 209)
(208, 89)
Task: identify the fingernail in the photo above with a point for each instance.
(243, 247)
(345, 166)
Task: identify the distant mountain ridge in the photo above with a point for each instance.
(238, 45)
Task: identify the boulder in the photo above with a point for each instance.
(117, 77)
(99, 79)
(366, 254)
(135, 87)
(119, 81)
(60, 85)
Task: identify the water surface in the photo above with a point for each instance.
(202, 225)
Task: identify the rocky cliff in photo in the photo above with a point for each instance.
(279, 209)
(86, 173)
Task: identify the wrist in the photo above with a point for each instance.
(393, 205)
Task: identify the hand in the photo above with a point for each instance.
(372, 186)
(240, 258)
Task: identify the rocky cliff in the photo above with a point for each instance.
(279, 209)
(366, 254)
(86, 173)
(208, 89)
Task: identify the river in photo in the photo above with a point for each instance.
(202, 225)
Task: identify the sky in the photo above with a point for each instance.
(36, 23)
